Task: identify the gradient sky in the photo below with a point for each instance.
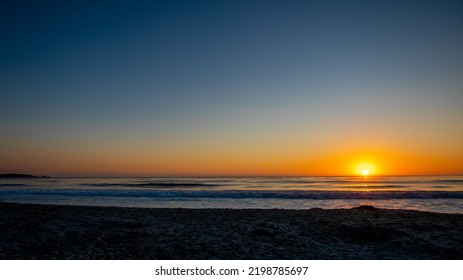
(92, 88)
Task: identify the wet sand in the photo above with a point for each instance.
(31, 231)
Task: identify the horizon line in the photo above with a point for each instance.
(222, 176)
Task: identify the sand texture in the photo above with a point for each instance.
(75, 232)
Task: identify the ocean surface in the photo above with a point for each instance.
(427, 193)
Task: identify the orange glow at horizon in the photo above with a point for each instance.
(245, 158)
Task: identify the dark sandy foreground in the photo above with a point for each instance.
(75, 232)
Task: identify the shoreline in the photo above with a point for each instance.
(40, 231)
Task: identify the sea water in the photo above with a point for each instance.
(426, 193)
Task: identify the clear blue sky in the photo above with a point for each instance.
(176, 83)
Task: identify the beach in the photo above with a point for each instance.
(33, 231)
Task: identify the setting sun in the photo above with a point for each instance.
(365, 169)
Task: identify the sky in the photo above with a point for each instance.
(231, 88)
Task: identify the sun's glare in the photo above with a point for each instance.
(365, 169)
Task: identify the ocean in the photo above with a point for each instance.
(426, 193)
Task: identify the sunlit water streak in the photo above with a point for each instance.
(426, 193)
